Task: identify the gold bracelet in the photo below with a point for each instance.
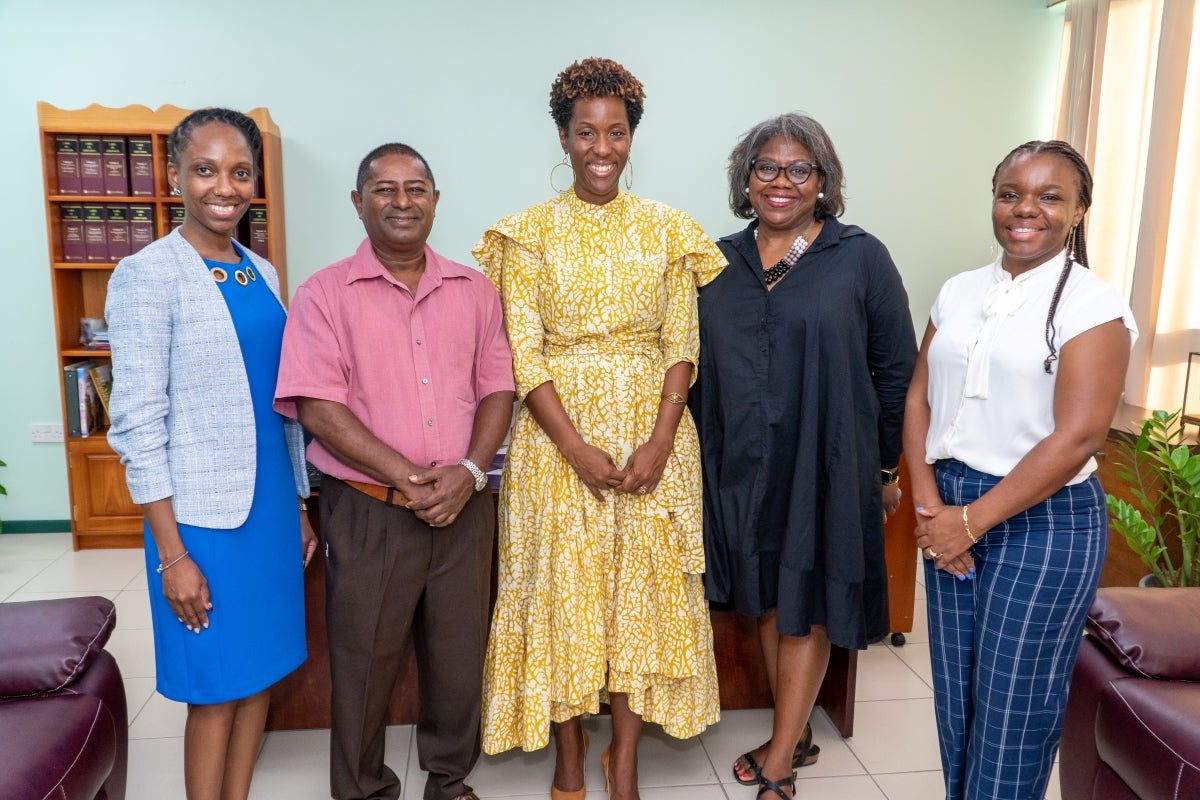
(967, 526)
(674, 398)
(164, 567)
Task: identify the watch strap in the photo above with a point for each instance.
(479, 475)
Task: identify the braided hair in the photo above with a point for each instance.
(1076, 241)
(181, 136)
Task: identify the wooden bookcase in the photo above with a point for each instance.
(102, 512)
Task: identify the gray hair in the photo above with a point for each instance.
(793, 127)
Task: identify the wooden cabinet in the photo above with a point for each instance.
(102, 512)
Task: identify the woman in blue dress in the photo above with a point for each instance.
(196, 324)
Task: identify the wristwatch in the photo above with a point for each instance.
(890, 476)
(479, 475)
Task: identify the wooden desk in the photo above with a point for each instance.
(301, 700)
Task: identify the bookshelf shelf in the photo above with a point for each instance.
(102, 512)
(81, 353)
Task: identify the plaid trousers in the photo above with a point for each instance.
(1004, 645)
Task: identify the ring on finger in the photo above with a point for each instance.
(642, 490)
(930, 555)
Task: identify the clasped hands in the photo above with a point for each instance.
(437, 495)
(640, 475)
(943, 540)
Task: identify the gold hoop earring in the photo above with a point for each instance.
(629, 174)
(563, 163)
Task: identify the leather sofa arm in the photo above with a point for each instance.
(49, 643)
(1154, 633)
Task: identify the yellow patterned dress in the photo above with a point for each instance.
(598, 597)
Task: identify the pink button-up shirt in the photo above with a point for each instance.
(412, 368)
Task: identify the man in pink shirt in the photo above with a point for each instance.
(395, 359)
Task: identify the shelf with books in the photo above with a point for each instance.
(106, 196)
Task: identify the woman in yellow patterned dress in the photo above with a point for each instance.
(601, 551)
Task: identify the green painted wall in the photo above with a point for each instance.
(922, 98)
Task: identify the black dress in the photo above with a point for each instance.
(800, 402)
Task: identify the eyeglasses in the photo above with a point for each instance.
(798, 172)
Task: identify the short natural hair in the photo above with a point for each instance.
(596, 77)
(797, 128)
(181, 136)
(389, 149)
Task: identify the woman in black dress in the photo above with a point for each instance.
(807, 347)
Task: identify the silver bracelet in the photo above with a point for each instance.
(164, 567)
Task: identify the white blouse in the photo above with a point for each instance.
(989, 395)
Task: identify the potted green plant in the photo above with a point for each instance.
(1163, 474)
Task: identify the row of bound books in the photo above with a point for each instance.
(88, 385)
(106, 233)
(111, 166)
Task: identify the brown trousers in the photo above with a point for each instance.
(387, 574)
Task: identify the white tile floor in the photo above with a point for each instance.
(892, 756)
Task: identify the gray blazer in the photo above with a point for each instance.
(182, 420)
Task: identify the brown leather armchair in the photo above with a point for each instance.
(1132, 728)
(63, 721)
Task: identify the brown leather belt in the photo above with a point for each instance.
(386, 494)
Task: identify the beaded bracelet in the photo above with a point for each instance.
(164, 567)
(967, 526)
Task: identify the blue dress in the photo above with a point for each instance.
(255, 576)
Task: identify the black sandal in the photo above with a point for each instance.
(805, 754)
(777, 787)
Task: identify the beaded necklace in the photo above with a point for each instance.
(781, 268)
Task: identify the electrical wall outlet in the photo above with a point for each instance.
(45, 432)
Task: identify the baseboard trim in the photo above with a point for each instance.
(37, 526)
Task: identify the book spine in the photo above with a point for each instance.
(71, 385)
(117, 226)
(101, 375)
(141, 227)
(86, 413)
(178, 215)
(67, 149)
(258, 230)
(95, 234)
(141, 167)
(91, 166)
(116, 168)
(73, 248)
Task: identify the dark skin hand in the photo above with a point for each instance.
(349, 441)
(436, 495)
(596, 468)
(184, 585)
(454, 484)
(593, 466)
(645, 467)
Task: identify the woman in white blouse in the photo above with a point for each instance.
(1016, 384)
